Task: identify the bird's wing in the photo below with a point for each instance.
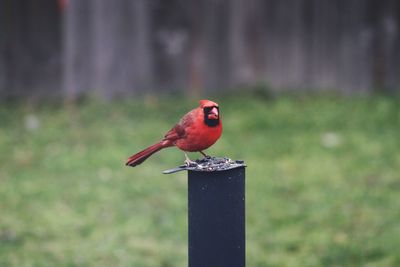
(175, 133)
(178, 131)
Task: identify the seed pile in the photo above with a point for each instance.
(209, 164)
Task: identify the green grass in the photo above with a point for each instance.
(323, 182)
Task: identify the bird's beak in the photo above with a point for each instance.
(213, 113)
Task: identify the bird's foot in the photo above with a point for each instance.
(190, 163)
(205, 155)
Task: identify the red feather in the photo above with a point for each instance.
(192, 133)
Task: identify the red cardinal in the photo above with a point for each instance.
(197, 130)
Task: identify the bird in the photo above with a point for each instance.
(196, 131)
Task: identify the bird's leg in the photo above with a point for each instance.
(189, 162)
(204, 154)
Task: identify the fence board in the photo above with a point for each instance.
(128, 47)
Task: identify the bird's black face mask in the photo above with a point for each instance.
(211, 116)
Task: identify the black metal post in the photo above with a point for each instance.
(217, 218)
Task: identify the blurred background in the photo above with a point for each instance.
(70, 48)
(309, 95)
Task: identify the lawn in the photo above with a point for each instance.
(322, 189)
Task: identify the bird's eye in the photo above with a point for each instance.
(208, 110)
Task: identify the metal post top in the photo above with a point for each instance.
(209, 164)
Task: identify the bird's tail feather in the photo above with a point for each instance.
(141, 156)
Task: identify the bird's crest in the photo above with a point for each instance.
(207, 103)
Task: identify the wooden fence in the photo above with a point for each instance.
(126, 47)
